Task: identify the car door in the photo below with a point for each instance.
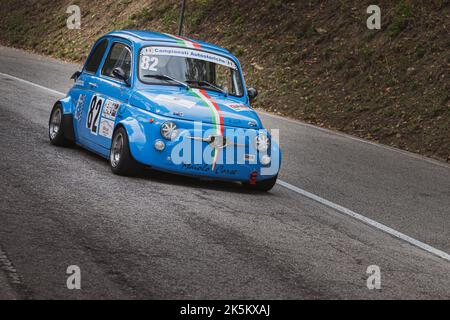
(112, 93)
(86, 86)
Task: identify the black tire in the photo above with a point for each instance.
(56, 128)
(124, 165)
(264, 185)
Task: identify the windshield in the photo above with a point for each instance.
(197, 68)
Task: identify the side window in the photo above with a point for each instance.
(118, 57)
(96, 57)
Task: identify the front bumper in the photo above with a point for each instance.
(235, 162)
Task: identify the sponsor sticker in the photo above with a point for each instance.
(188, 53)
(79, 107)
(238, 107)
(106, 128)
(110, 109)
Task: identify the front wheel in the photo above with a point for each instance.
(120, 158)
(264, 185)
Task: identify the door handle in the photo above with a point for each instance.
(92, 85)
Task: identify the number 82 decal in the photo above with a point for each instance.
(93, 116)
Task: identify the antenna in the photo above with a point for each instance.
(180, 26)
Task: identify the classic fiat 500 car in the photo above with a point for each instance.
(170, 103)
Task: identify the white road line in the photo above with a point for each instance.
(32, 84)
(314, 197)
(366, 220)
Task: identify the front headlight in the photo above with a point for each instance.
(262, 142)
(169, 130)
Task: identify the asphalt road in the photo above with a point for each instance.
(159, 236)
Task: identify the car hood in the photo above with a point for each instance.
(198, 105)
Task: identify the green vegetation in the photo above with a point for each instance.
(403, 16)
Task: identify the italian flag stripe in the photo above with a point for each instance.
(216, 110)
(184, 41)
(216, 116)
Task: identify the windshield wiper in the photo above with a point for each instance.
(167, 78)
(208, 84)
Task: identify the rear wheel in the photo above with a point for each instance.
(120, 159)
(264, 185)
(56, 127)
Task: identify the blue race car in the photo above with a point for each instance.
(169, 103)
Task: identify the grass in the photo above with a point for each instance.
(142, 16)
(403, 15)
(275, 4)
(340, 63)
(420, 51)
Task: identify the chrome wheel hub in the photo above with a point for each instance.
(116, 150)
(55, 123)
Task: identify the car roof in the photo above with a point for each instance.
(142, 36)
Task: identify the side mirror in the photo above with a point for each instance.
(120, 74)
(76, 75)
(252, 93)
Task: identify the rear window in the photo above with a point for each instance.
(96, 57)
